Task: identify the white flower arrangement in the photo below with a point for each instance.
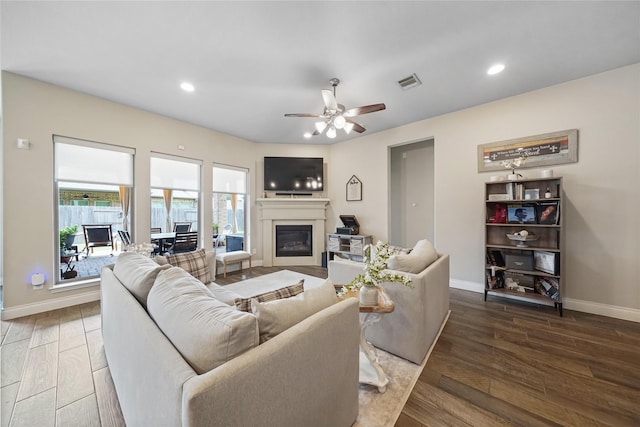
(141, 248)
(375, 270)
(513, 163)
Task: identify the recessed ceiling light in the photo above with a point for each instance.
(495, 69)
(307, 135)
(187, 87)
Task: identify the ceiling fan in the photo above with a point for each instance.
(335, 116)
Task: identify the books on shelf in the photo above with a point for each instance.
(548, 212)
(495, 258)
(521, 214)
(547, 286)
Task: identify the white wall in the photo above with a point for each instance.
(602, 188)
(603, 200)
(36, 110)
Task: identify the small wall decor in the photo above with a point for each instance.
(539, 150)
(354, 189)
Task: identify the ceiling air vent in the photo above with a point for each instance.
(409, 82)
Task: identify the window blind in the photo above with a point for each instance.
(78, 160)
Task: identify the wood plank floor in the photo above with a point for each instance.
(496, 363)
(509, 363)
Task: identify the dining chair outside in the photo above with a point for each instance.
(97, 235)
(125, 238)
(182, 227)
(184, 242)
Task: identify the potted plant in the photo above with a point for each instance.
(375, 272)
(67, 236)
(215, 228)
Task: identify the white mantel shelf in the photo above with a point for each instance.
(291, 210)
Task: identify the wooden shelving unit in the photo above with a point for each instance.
(531, 270)
(348, 246)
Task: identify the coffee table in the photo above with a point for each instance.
(370, 370)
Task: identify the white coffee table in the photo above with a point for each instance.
(370, 370)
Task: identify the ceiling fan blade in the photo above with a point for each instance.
(357, 127)
(329, 100)
(316, 133)
(364, 110)
(303, 115)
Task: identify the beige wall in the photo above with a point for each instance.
(602, 189)
(36, 110)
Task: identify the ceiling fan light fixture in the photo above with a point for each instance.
(331, 133)
(339, 122)
(320, 126)
(348, 127)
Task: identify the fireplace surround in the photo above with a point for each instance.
(292, 212)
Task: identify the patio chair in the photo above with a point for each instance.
(181, 227)
(97, 235)
(125, 238)
(184, 242)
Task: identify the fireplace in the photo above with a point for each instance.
(308, 213)
(294, 240)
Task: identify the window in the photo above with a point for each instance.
(175, 191)
(93, 183)
(229, 207)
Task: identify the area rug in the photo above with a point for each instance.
(383, 409)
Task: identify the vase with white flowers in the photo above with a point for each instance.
(513, 164)
(375, 272)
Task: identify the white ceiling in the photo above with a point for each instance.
(252, 62)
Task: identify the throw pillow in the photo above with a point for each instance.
(205, 331)
(194, 263)
(137, 273)
(399, 250)
(244, 304)
(277, 316)
(421, 256)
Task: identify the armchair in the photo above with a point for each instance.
(410, 330)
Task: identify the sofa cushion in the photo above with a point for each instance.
(277, 316)
(137, 273)
(194, 263)
(221, 293)
(244, 304)
(205, 331)
(421, 256)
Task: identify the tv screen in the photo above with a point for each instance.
(293, 174)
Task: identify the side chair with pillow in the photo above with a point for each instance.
(420, 310)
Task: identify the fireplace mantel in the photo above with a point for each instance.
(292, 211)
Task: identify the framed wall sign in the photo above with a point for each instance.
(540, 150)
(354, 189)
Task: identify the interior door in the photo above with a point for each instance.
(411, 193)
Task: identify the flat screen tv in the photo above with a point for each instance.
(293, 174)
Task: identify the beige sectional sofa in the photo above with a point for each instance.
(180, 356)
(412, 327)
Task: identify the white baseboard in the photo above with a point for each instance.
(466, 286)
(617, 312)
(54, 304)
(624, 313)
